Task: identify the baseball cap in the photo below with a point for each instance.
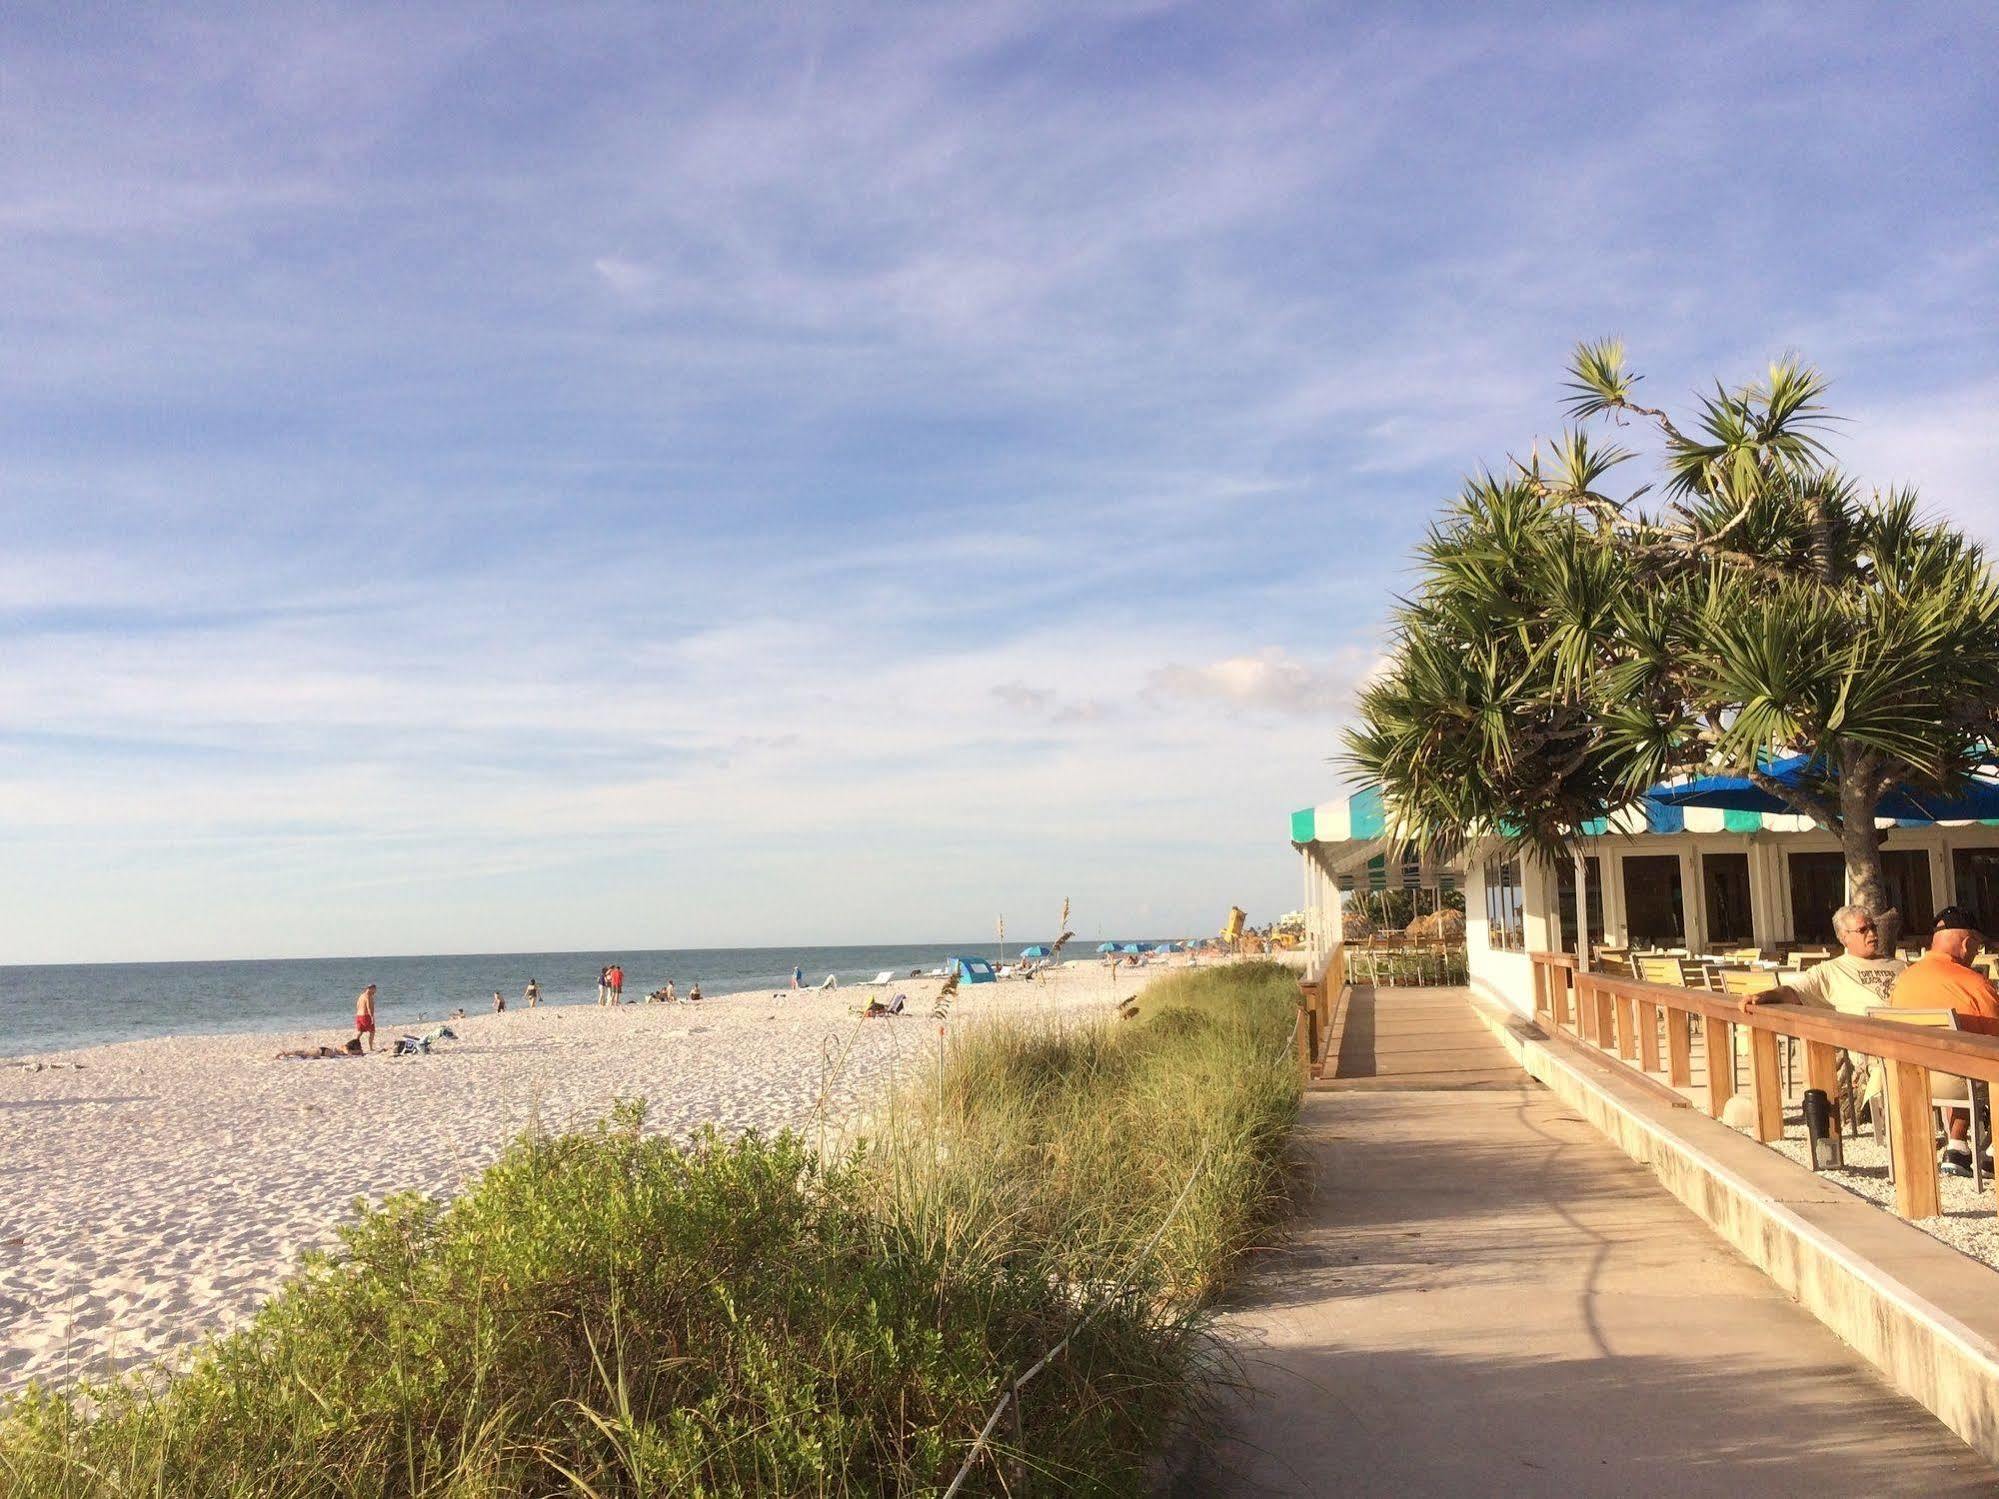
(1957, 919)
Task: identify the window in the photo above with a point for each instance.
(1505, 907)
(1565, 897)
(1654, 908)
(1818, 888)
(1725, 897)
(1977, 883)
(1908, 876)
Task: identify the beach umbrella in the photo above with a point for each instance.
(1036, 951)
(1107, 947)
(1130, 947)
(1975, 801)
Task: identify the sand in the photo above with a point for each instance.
(161, 1190)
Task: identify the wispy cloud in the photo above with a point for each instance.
(646, 475)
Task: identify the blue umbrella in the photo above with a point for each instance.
(1107, 947)
(1131, 947)
(1036, 951)
(1975, 801)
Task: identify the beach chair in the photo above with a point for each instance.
(1946, 1092)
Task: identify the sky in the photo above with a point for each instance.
(646, 475)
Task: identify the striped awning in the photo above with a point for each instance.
(1360, 820)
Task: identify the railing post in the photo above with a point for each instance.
(1648, 1035)
(1720, 1063)
(1540, 971)
(1565, 994)
(1765, 1087)
(1604, 1004)
(1910, 1142)
(1627, 1027)
(1679, 1049)
(1822, 1069)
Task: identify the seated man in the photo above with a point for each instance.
(1943, 979)
(1858, 980)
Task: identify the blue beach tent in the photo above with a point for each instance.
(971, 970)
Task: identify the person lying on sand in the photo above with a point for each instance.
(314, 1053)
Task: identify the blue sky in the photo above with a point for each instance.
(619, 475)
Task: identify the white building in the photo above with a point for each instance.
(1668, 877)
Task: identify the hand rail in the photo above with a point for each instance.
(1622, 1019)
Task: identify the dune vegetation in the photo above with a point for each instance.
(611, 1312)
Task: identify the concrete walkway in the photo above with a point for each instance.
(1484, 1297)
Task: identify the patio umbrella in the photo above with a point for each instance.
(1975, 801)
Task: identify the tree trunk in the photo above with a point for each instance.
(1860, 842)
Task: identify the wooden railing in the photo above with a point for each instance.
(1318, 997)
(1650, 1028)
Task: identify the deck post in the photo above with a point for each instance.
(1648, 1035)
(1606, 1026)
(1720, 1063)
(1822, 1070)
(1910, 1139)
(1627, 1027)
(1679, 1049)
(1766, 1085)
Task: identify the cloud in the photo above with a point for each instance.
(627, 278)
(1270, 681)
(708, 476)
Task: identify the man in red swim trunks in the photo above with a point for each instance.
(617, 977)
(364, 1016)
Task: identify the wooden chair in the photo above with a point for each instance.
(1946, 1092)
(1662, 970)
(1740, 981)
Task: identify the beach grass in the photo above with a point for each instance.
(609, 1312)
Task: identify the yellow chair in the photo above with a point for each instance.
(1946, 1092)
(1740, 981)
(1662, 971)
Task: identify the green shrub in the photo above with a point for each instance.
(608, 1312)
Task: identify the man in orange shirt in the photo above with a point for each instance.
(1943, 979)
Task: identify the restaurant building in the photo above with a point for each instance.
(1657, 876)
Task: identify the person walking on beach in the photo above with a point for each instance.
(531, 995)
(617, 981)
(604, 985)
(499, 1001)
(797, 976)
(364, 1016)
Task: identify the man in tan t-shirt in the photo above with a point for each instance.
(1856, 981)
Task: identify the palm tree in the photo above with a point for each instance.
(1564, 649)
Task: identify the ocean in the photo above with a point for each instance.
(58, 1006)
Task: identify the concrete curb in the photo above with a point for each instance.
(1920, 1312)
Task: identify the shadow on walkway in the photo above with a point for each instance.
(1484, 1297)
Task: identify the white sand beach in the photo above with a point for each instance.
(163, 1188)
